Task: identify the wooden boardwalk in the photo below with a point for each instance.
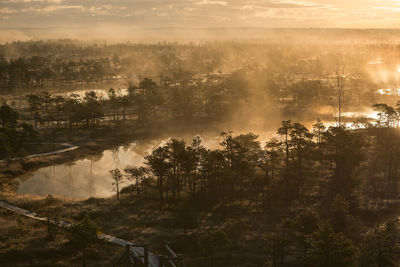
(68, 147)
(138, 252)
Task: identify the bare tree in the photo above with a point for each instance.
(137, 174)
(339, 95)
(117, 177)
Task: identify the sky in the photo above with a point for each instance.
(79, 14)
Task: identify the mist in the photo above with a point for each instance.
(111, 34)
(218, 133)
(270, 71)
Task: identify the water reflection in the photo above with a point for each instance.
(90, 177)
(100, 93)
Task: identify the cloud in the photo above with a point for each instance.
(208, 2)
(394, 9)
(200, 13)
(53, 8)
(32, 1)
(299, 3)
(6, 10)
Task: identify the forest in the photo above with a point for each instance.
(79, 85)
(304, 170)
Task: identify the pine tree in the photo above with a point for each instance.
(330, 249)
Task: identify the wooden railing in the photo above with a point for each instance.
(134, 259)
(136, 255)
(141, 258)
(172, 260)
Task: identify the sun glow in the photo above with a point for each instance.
(389, 91)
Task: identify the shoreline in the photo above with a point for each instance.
(94, 142)
(69, 147)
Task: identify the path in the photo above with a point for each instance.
(138, 251)
(68, 147)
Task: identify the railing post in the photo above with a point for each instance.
(128, 253)
(161, 261)
(182, 262)
(146, 255)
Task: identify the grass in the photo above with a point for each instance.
(135, 219)
(24, 242)
(234, 231)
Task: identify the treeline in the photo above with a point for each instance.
(145, 102)
(317, 192)
(48, 72)
(212, 95)
(287, 164)
(204, 97)
(65, 64)
(14, 135)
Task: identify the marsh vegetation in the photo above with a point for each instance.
(240, 153)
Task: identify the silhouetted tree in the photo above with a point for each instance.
(83, 235)
(117, 177)
(327, 248)
(137, 174)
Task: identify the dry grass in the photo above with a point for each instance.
(137, 220)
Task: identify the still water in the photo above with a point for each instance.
(90, 177)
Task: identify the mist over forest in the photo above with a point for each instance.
(181, 146)
(113, 34)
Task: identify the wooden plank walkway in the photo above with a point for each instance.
(138, 251)
(68, 147)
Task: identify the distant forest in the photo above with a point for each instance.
(228, 81)
(295, 77)
(71, 64)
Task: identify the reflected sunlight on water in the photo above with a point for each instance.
(82, 178)
(90, 177)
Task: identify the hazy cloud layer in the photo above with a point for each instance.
(19, 14)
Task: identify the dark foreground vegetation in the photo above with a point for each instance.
(323, 198)
(326, 197)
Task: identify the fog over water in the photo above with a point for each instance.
(216, 132)
(90, 177)
(272, 70)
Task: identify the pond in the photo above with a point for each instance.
(90, 177)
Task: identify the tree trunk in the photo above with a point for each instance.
(84, 258)
(137, 186)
